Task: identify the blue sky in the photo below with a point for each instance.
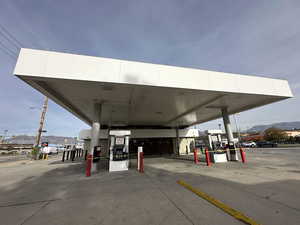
(258, 37)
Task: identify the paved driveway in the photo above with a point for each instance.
(266, 189)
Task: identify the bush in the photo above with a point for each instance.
(35, 152)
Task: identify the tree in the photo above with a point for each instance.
(275, 134)
(291, 140)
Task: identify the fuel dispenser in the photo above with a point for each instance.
(232, 152)
(119, 150)
(216, 146)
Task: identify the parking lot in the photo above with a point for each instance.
(266, 188)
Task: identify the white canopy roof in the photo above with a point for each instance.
(142, 94)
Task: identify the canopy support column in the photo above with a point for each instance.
(229, 134)
(177, 142)
(95, 136)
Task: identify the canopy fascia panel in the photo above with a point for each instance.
(143, 94)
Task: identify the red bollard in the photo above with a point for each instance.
(208, 163)
(89, 162)
(141, 162)
(196, 156)
(243, 155)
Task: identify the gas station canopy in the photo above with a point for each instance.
(136, 94)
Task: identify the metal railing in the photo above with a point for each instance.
(73, 154)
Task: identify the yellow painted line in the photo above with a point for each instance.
(236, 214)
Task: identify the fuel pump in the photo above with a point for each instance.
(216, 146)
(119, 150)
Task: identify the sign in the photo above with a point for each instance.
(120, 140)
(44, 144)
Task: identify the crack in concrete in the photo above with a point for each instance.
(170, 200)
(28, 203)
(33, 214)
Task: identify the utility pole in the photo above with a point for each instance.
(42, 120)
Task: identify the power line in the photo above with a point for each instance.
(9, 40)
(8, 51)
(17, 43)
(7, 48)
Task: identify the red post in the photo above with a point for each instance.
(141, 162)
(89, 162)
(243, 155)
(208, 163)
(196, 156)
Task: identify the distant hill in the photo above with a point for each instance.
(283, 126)
(25, 139)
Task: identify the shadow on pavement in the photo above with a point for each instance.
(65, 196)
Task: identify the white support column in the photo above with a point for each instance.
(94, 137)
(95, 133)
(177, 142)
(227, 125)
(220, 140)
(210, 142)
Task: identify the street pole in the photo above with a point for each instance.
(41, 124)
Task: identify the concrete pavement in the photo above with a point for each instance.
(51, 192)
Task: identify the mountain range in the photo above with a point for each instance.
(25, 139)
(283, 125)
